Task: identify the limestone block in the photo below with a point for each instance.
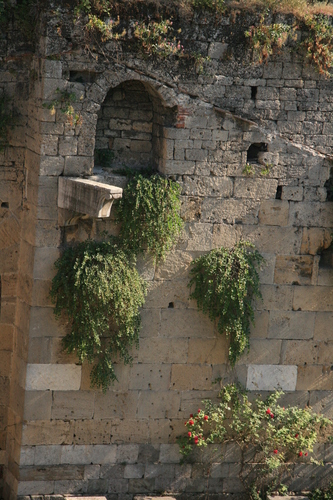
(185, 323)
(266, 271)
(275, 298)
(48, 455)
(315, 239)
(44, 260)
(129, 431)
(44, 432)
(127, 453)
(296, 270)
(199, 236)
(274, 239)
(321, 402)
(150, 377)
(263, 352)
(49, 145)
(313, 298)
(259, 329)
(157, 470)
(176, 266)
(37, 405)
(53, 377)
(27, 455)
(78, 165)
(174, 167)
(68, 146)
(217, 50)
(150, 322)
(158, 404)
(323, 326)
(47, 234)
(314, 378)
(43, 322)
(292, 193)
(325, 353)
(73, 404)
(72, 486)
(163, 350)
(208, 351)
(92, 432)
(162, 293)
(226, 235)
(229, 211)
(273, 70)
(192, 400)
(311, 214)
(299, 352)
(294, 325)
(274, 213)
(5, 363)
(208, 186)
(88, 454)
(35, 488)
(191, 377)
(87, 197)
(169, 454)
(271, 377)
(117, 404)
(258, 189)
(134, 471)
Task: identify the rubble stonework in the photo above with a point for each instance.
(57, 435)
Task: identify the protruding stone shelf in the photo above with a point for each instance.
(86, 196)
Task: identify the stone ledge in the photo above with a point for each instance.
(86, 196)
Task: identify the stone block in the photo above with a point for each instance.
(199, 237)
(292, 193)
(110, 404)
(271, 377)
(73, 405)
(293, 270)
(299, 352)
(45, 432)
(275, 298)
(27, 455)
(49, 473)
(44, 260)
(88, 454)
(37, 405)
(48, 455)
(229, 211)
(263, 351)
(127, 453)
(191, 377)
(134, 471)
(77, 487)
(273, 70)
(92, 432)
(41, 293)
(176, 266)
(78, 165)
(315, 240)
(35, 488)
(296, 325)
(274, 239)
(323, 326)
(311, 214)
(266, 271)
(53, 377)
(68, 146)
(162, 293)
(257, 189)
(129, 430)
(174, 167)
(150, 322)
(92, 471)
(163, 350)
(150, 377)
(217, 50)
(313, 298)
(208, 351)
(259, 329)
(43, 322)
(158, 404)
(192, 400)
(274, 213)
(208, 186)
(325, 353)
(185, 323)
(169, 454)
(314, 378)
(321, 402)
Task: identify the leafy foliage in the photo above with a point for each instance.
(264, 39)
(277, 437)
(149, 214)
(104, 157)
(319, 43)
(214, 5)
(323, 493)
(225, 282)
(157, 38)
(99, 288)
(65, 102)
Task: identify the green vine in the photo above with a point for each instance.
(319, 43)
(274, 436)
(98, 286)
(149, 214)
(225, 281)
(100, 290)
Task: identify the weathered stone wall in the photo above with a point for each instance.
(79, 440)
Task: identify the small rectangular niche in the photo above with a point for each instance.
(82, 76)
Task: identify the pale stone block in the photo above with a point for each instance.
(115, 404)
(315, 240)
(163, 350)
(274, 213)
(325, 353)
(44, 432)
(299, 352)
(73, 405)
(150, 377)
(313, 298)
(78, 165)
(158, 404)
(295, 270)
(186, 323)
(291, 325)
(259, 329)
(27, 455)
(88, 454)
(263, 351)
(92, 432)
(127, 453)
(53, 377)
(35, 488)
(134, 471)
(199, 236)
(44, 262)
(162, 293)
(266, 271)
(321, 402)
(208, 186)
(258, 189)
(311, 214)
(230, 211)
(41, 293)
(47, 455)
(192, 400)
(271, 377)
(92, 472)
(314, 378)
(323, 326)
(191, 377)
(275, 298)
(209, 351)
(129, 430)
(43, 323)
(176, 266)
(225, 235)
(150, 322)
(292, 193)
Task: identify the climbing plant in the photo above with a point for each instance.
(225, 282)
(97, 284)
(100, 290)
(149, 214)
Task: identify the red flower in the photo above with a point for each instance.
(296, 436)
(191, 422)
(206, 417)
(268, 411)
(196, 439)
(199, 410)
(300, 454)
(276, 452)
(306, 453)
(189, 434)
(191, 416)
(272, 415)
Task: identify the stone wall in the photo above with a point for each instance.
(79, 440)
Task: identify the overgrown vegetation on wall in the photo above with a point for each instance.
(225, 282)
(270, 437)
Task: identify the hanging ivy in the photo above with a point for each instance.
(225, 282)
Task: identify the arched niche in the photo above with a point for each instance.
(130, 124)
